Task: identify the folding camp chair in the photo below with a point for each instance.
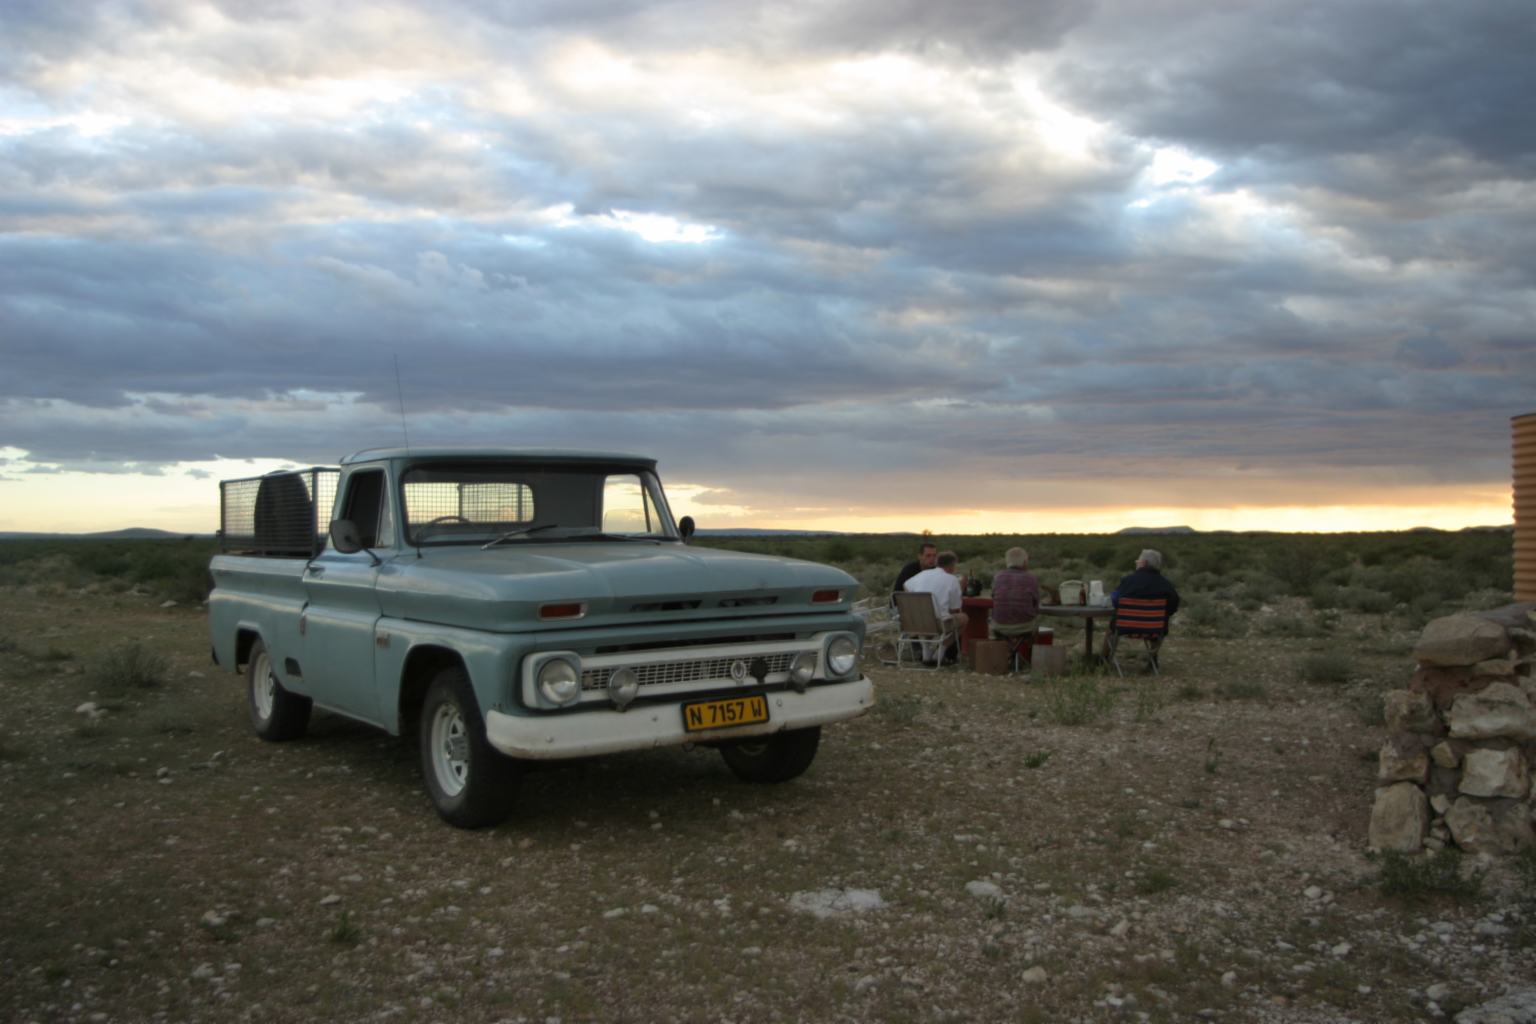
(1020, 645)
(1137, 618)
(922, 627)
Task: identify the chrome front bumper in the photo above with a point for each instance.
(607, 731)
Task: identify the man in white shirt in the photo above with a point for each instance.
(943, 586)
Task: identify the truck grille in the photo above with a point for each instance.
(693, 670)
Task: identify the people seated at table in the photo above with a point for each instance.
(927, 556)
(1147, 581)
(1015, 597)
(943, 586)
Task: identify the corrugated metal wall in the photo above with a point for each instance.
(1525, 506)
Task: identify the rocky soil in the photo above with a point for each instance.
(1186, 847)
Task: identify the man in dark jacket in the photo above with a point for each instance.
(1148, 581)
(927, 558)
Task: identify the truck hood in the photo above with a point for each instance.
(621, 582)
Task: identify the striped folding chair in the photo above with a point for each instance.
(1138, 618)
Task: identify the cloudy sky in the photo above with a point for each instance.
(874, 264)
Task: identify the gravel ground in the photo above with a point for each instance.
(1192, 850)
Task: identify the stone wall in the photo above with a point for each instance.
(1457, 764)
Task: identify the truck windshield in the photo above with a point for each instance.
(474, 503)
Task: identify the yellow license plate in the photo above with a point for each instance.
(722, 714)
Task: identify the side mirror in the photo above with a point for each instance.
(344, 536)
(685, 527)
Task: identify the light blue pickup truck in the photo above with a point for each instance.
(515, 606)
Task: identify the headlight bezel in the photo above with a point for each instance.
(841, 656)
(545, 687)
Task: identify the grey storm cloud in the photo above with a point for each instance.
(800, 240)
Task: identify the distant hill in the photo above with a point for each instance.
(750, 532)
(1156, 529)
(132, 533)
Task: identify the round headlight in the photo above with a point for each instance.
(802, 670)
(559, 681)
(623, 686)
(842, 656)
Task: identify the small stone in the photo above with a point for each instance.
(1312, 892)
(1495, 773)
(1457, 640)
(1501, 710)
(983, 890)
(1437, 992)
(1341, 950)
(214, 919)
(1228, 824)
(167, 604)
(1034, 976)
(1229, 979)
(1399, 818)
(328, 900)
(1409, 711)
(1120, 928)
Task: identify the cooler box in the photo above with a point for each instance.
(990, 657)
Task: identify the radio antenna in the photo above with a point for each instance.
(400, 393)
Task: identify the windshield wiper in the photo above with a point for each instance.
(521, 531)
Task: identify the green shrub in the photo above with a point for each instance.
(1077, 700)
(1326, 667)
(1241, 689)
(1421, 877)
(1201, 614)
(1363, 599)
(131, 668)
(1293, 626)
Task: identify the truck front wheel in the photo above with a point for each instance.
(776, 758)
(470, 783)
(276, 714)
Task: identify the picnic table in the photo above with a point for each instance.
(1087, 612)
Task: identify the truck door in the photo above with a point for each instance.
(343, 607)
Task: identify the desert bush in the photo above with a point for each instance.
(1326, 667)
(134, 667)
(1077, 700)
(1297, 565)
(1291, 626)
(1241, 689)
(1366, 600)
(1422, 877)
(1201, 614)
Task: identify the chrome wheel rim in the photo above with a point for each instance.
(450, 749)
(263, 686)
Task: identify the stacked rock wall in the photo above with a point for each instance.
(1460, 752)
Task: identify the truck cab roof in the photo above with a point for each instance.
(552, 455)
